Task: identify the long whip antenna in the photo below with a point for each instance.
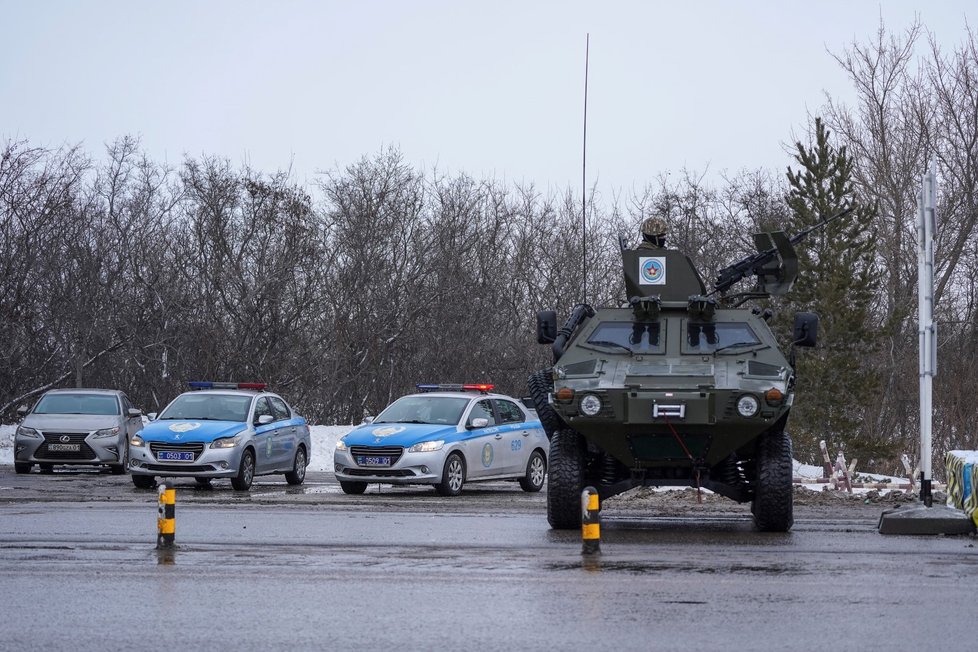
(587, 47)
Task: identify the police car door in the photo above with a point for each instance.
(264, 437)
(482, 445)
(286, 434)
(514, 443)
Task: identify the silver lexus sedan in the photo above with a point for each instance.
(76, 426)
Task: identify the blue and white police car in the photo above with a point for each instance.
(445, 435)
(222, 430)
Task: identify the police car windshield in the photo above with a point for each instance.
(208, 407)
(77, 404)
(443, 410)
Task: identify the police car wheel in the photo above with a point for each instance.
(353, 488)
(453, 477)
(143, 481)
(536, 471)
(298, 472)
(246, 472)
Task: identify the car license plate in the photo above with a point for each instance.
(175, 456)
(65, 448)
(368, 460)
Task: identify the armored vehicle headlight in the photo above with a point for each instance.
(773, 396)
(565, 394)
(590, 405)
(747, 405)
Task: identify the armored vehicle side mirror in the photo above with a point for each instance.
(22, 410)
(806, 329)
(546, 327)
(132, 413)
(479, 422)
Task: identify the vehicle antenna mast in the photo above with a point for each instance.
(587, 44)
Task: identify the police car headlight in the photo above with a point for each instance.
(24, 431)
(427, 446)
(137, 441)
(747, 405)
(340, 445)
(106, 432)
(226, 442)
(590, 405)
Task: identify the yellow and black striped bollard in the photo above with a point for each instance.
(166, 524)
(590, 521)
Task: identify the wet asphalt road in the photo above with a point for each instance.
(312, 568)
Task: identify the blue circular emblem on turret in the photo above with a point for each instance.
(653, 270)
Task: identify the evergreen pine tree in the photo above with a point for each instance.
(839, 280)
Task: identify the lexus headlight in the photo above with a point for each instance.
(340, 445)
(106, 432)
(136, 441)
(24, 431)
(427, 446)
(226, 442)
(590, 405)
(747, 405)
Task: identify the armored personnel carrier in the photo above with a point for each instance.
(678, 387)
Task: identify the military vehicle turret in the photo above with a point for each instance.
(677, 387)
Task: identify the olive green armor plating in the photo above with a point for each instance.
(676, 387)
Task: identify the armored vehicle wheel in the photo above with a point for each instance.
(773, 502)
(566, 480)
(144, 481)
(353, 488)
(540, 384)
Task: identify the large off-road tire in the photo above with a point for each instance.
(143, 481)
(540, 384)
(566, 480)
(353, 487)
(773, 505)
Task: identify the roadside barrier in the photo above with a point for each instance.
(590, 521)
(166, 523)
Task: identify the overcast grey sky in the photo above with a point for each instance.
(494, 89)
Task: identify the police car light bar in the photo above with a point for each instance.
(455, 387)
(206, 384)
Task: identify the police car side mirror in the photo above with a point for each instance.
(22, 411)
(367, 420)
(264, 419)
(151, 416)
(479, 422)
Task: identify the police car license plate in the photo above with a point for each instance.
(65, 448)
(372, 460)
(175, 456)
